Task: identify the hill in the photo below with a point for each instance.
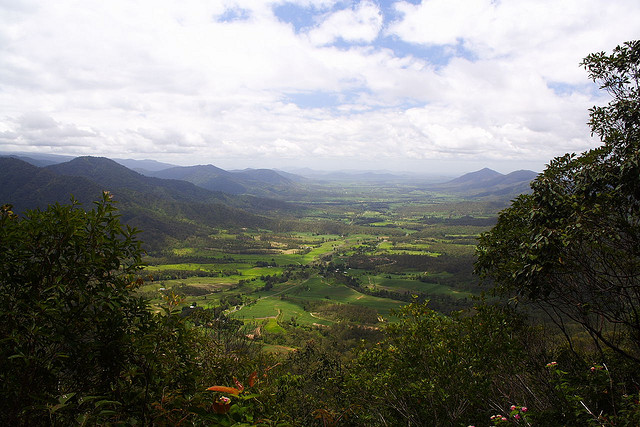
(144, 165)
(164, 209)
(489, 184)
(206, 176)
(115, 177)
(475, 179)
(26, 186)
(259, 182)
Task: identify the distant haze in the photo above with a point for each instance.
(432, 86)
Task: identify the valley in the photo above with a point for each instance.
(283, 253)
(386, 252)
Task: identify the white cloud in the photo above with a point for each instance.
(172, 80)
(359, 24)
(547, 35)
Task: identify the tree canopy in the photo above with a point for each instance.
(68, 313)
(573, 245)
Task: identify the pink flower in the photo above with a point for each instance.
(524, 409)
(517, 416)
(551, 364)
(513, 407)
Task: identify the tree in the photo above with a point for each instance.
(68, 312)
(433, 369)
(573, 246)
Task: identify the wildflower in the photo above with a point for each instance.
(524, 409)
(516, 416)
(503, 418)
(513, 407)
(222, 405)
(551, 364)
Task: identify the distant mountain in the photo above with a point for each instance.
(487, 183)
(259, 182)
(206, 176)
(266, 176)
(291, 176)
(164, 209)
(475, 179)
(26, 186)
(114, 176)
(144, 165)
(37, 159)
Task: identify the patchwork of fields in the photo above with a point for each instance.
(387, 255)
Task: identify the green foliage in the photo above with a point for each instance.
(68, 314)
(585, 395)
(309, 380)
(573, 245)
(78, 345)
(437, 369)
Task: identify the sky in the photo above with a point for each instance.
(431, 86)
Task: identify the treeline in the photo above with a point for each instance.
(464, 220)
(396, 263)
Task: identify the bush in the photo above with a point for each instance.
(69, 316)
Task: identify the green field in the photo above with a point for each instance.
(389, 248)
(278, 310)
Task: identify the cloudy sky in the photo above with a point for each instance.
(441, 86)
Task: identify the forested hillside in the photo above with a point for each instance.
(164, 208)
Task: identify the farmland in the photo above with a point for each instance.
(392, 247)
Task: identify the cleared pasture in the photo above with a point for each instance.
(279, 309)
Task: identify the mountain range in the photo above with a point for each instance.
(176, 202)
(164, 208)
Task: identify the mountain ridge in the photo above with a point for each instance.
(164, 209)
(487, 183)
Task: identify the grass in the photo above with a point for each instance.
(273, 327)
(278, 350)
(399, 228)
(400, 284)
(279, 309)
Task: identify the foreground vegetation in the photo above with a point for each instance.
(359, 314)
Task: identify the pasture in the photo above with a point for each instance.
(396, 248)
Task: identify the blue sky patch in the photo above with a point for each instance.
(299, 17)
(561, 89)
(234, 14)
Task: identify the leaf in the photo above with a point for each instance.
(250, 396)
(238, 384)
(252, 378)
(65, 397)
(223, 389)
